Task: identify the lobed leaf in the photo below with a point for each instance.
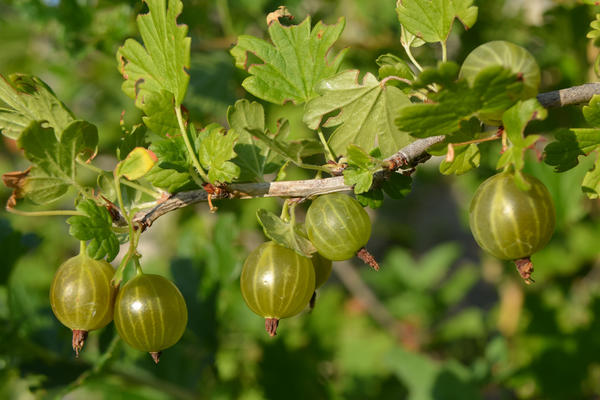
(366, 113)
(293, 65)
(494, 90)
(54, 169)
(215, 152)
(515, 119)
(96, 227)
(431, 20)
(591, 181)
(360, 169)
(285, 233)
(29, 99)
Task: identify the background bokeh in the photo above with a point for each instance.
(441, 320)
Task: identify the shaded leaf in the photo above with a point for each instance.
(564, 152)
(466, 158)
(132, 139)
(29, 99)
(293, 65)
(284, 233)
(373, 198)
(95, 227)
(591, 181)
(397, 186)
(54, 162)
(494, 89)
(366, 113)
(391, 65)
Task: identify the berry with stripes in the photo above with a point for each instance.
(82, 297)
(510, 223)
(150, 314)
(276, 283)
(339, 228)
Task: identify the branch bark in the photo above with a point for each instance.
(405, 158)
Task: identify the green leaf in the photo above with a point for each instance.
(161, 63)
(591, 112)
(136, 137)
(137, 164)
(29, 99)
(591, 181)
(465, 159)
(244, 117)
(391, 65)
(515, 119)
(373, 198)
(360, 170)
(397, 186)
(95, 227)
(215, 151)
(494, 90)
(54, 162)
(160, 115)
(366, 113)
(293, 65)
(431, 20)
(569, 145)
(170, 180)
(284, 233)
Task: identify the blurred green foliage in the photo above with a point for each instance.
(459, 325)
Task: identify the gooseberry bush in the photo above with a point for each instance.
(369, 134)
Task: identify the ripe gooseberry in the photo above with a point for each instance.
(511, 223)
(339, 228)
(82, 296)
(150, 314)
(276, 283)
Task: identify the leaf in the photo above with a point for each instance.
(373, 198)
(132, 139)
(366, 113)
(397, 186)
(391, 65)
(569, 145)
(252, 153)
(29, 99)
(284, 233)
(156, 72)
(293, 65)
(172, 172)
(591, 181)
(215, 151)
(137, 164)
(54, 162)
(15, 180)
(494, 90)
(515, 120)
(591, 112)
(360, 170)
(95, 227)
(431, 20)
(466, 158)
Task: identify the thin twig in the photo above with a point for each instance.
(405, 158)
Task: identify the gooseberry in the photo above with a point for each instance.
(276, 283)
(339, 228)
(82, 296)
(511, 223)
(150, 314)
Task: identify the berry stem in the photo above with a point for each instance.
(525, 268)
(156, 356)
(368, 258)
(271, 326)
(78, 341)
